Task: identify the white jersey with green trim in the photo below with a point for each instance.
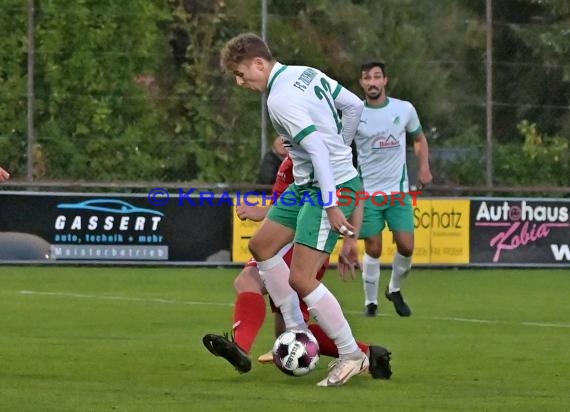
(300, 102)
(381, 145)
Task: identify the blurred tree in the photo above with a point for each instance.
(13, 18)
(133, 90)
(412, 37)
(214, 125)
(96, 118)
(549, 40)
(531, 70)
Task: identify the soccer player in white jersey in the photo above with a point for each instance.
(381, 147)
(302, 104)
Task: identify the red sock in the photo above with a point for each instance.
(249, 311)
(327, 345)
(363, 346)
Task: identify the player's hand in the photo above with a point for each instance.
(424, 177)
(4, 175)
(348, 259)
(338, 221)
(251, 212)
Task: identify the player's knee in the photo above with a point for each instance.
(248, 281)
(373, 250)
(406, 250)
(374, 253)
(296, 281)
(239, 285)
(255, 248)
(373, 246)
(301, 283)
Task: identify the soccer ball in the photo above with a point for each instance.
(296, 352)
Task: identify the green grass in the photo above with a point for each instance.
(129, 339)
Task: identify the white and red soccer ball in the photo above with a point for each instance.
(296, 352)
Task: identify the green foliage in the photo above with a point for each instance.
(412, 37)
(461, 159)
(96, 120)
(540, 160)
(550, 154)
(530, 164)
(214, 124)
(531, 76)
(129, 90)
(13, 86)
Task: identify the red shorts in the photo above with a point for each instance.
(287, 258)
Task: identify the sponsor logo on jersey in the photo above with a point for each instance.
(385, 142)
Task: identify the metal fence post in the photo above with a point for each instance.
(263, 95)
(30, 93)
(489, 86)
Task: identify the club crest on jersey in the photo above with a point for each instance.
(383, 142)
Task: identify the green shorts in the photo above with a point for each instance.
(382, 210)
(301, 209)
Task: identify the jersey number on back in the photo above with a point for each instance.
(322, 94)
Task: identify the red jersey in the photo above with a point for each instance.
(284, 177)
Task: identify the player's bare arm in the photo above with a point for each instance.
(422, 153)
(348, 257)
(252, 212)
(4, 175)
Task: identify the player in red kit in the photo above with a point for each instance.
(250, 309)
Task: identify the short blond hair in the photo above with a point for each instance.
(241, 48)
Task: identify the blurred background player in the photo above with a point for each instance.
(250, 309)
(271, 162)
(4, 175)
(381, 146)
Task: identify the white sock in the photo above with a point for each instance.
(326, 310)
(274, 273)
(400, 268)
(370, 279)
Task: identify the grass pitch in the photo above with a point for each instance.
(129, 339)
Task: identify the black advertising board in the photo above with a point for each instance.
(520, 232)
(114, 227)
